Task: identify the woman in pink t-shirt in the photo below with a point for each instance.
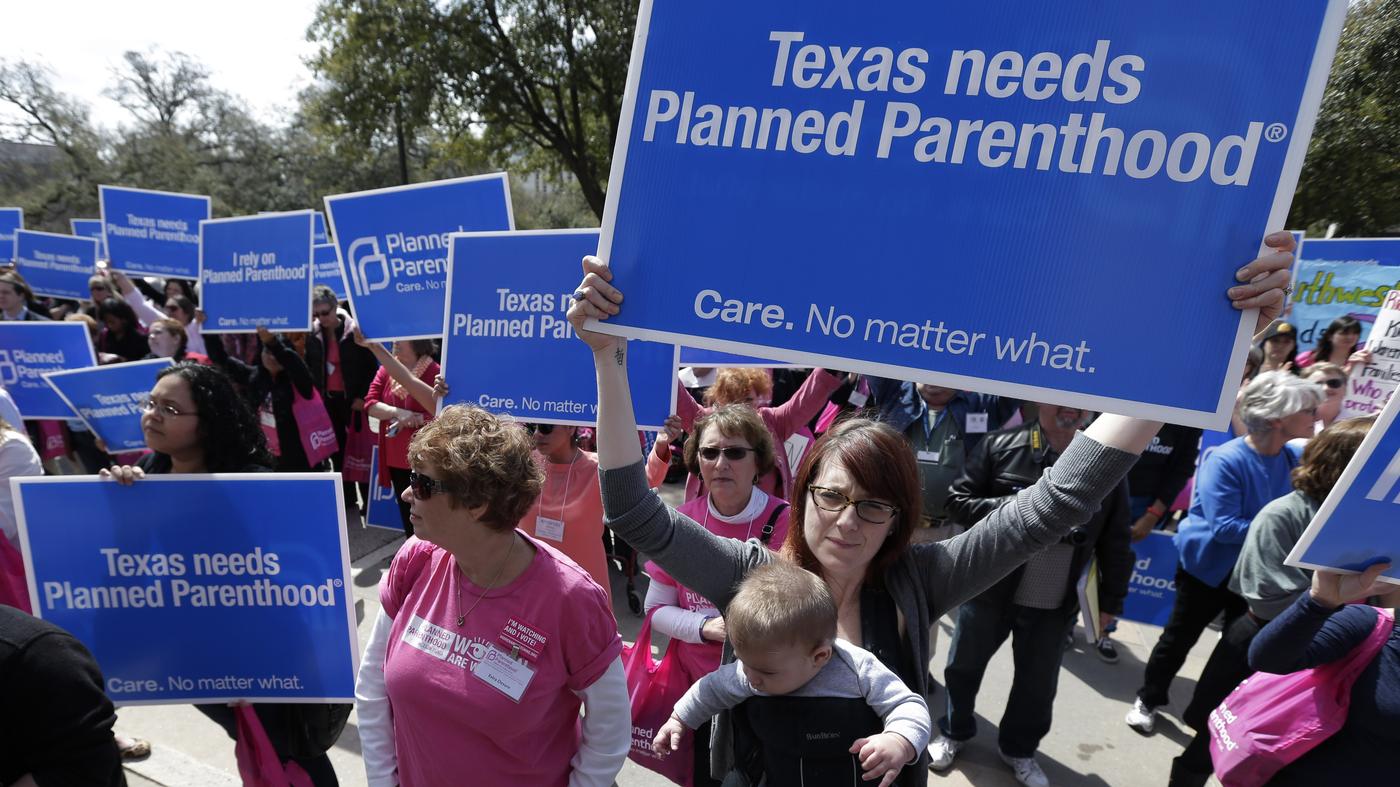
(402, 402)
(568, 515)
(730, 451)
(488, 641)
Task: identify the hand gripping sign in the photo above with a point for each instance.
(960, 193)
(393, 247)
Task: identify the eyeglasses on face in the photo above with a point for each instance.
(541, 428)
(423, 487)
(836, 501)
(149, 405)
(733, 453)
(1333, 382)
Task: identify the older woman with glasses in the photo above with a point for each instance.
(862, 483)
(488, 640)
(731, 450)
(1233, 484)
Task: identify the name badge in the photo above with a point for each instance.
(267, 418)
(930, 456)
(552, 529)
(330, 368)
(857, 399)
(504, 673)
(976, 423)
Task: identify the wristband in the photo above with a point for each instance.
(1157, 510)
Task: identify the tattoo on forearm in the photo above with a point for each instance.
(621, 354)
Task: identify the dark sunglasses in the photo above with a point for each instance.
(1333, 382)
(541, 428)
(733, 453)
(423, 487)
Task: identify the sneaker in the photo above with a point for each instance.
(1106, 650)
(1142, 717)
(1027, 771)
(942, 750)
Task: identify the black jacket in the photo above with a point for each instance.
(357, 364)
(1008, 461)
(259, 384)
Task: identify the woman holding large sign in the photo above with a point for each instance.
(857, 499)
(488, 641)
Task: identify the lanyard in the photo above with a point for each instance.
(564, 502)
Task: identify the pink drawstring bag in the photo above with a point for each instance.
(14, 589)
(258, 762)
(1269, 721)
(54, 436)
(314, 423)
(654, 688)
(359, 445)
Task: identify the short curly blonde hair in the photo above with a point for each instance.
(480, 459)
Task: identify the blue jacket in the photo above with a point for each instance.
(898, 404)
(1232, 485)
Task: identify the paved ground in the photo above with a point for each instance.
(1089, 744)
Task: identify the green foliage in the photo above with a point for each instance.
(1352, 173)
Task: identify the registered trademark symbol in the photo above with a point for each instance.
(338, 583)
(1275, 132)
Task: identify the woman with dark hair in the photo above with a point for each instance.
(194, 421)
(1266, 584)
(402, 403)
(121, 333)
(17, 299)
(272, 387)
(1338, 345)
(177, 307)
(1279, 345)
(858, 499)
(180, 288)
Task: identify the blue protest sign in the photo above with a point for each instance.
(318, 231)
(957, 193)
(229, 604)
(698, 356)
(1152, 588)
(507, 343)
(11, 221)
(327, 262)
(29, 350)
(1353, 529)
(1325, 291)
(108, 399)
(393, 247)
(57, 266)
(152, 233)
(383, 508)
(90, 228)
(1361, 251)
(256, 270)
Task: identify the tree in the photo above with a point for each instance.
(535, 81)
(1352, 173)
(41, 114)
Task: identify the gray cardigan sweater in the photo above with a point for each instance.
(927, 581)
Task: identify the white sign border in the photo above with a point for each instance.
(310, 267)
(92, 358)
(102, 215)
(17, 485)
(1299, 138)
(96, 248)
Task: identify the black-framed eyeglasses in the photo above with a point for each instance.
(836, 501)
(733, 453)
(149, 405)
(423, 487)
(541, 428)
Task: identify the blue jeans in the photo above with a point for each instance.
(1037, 645)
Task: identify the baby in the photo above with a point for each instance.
(804, 693)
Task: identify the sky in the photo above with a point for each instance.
(254, 49)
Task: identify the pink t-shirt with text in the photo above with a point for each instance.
(451, 727)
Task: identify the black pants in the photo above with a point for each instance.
(1196, 606)
(1228, 665)
(1037, 645)
(399, 478)
(700, 775)
(318, 768)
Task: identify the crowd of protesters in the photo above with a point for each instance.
(829, 520)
